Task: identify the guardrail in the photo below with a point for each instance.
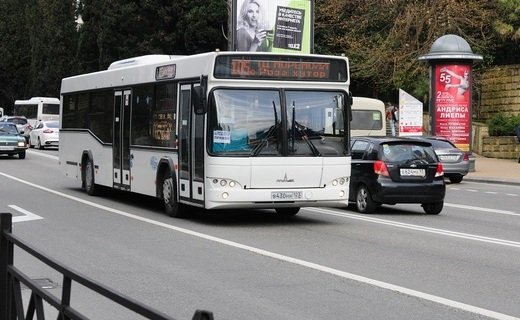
(11, 278)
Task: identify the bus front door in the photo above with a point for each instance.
(120, 146)
(191, 149)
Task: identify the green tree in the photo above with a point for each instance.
(15, 51)
(121, 29)
(383, 39)
(507, 26)
(52, 34)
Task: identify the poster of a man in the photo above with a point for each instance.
(273, 25)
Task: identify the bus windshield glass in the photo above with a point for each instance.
(276, 123)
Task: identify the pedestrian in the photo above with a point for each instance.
(392, 115)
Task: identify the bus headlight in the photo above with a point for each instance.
(225, 195)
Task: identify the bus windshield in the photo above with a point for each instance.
(276, 123)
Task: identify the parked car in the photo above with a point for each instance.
(11, 141)
(45, 134)
(455, 161)
(391, 170)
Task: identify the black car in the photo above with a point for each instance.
(390, 170)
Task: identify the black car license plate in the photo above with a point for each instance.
(411, 172)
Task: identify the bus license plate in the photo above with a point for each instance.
(292, 195)
(412, 172)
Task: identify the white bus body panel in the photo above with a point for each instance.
(257, 178)
(142, 181)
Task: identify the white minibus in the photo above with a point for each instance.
(368, 117)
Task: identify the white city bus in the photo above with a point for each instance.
(38, 108)
(213, 130)
(368, 117)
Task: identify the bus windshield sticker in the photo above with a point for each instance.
(221, 136)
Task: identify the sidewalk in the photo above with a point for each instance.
(493, 170)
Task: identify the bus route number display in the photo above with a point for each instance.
(280, 69)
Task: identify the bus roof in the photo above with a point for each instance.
(143, 69)
(38, 99)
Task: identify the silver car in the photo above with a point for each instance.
(455, 161)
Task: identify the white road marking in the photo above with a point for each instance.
(41, 154)
(462, 206)
(449, 233)
(303, 263)
(27, 215)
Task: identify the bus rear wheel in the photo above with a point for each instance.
(171, 205)
(89, 183)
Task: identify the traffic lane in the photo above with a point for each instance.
(159, 265)
(499, 196)
(441, 264)
(463, 217)
(358, 253)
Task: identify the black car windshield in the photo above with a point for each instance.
(8, 128)
(441, 144)
(407, 153)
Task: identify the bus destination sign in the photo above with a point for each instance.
(280, 69)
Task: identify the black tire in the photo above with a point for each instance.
(39, 144)
(364, 202)
(21, 155)
(433, 208)
(172, 207)
(287, 212)
(456, 179)
(89, 183)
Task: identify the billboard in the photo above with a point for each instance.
(410, 115)
(452, 113)
(273, 26)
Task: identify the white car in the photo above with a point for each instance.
(45, 134)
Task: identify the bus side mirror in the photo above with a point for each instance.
(198, 96)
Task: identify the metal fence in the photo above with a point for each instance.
(12, 278)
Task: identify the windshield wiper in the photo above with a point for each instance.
(270, 133)
(303, 135)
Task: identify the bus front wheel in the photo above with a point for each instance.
(89, 182)
(171, 205)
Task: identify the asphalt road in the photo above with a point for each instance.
(325, 263)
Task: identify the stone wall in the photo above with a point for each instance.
(506, 147)
(500, 91)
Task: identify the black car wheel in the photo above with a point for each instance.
(364, 202)
(456, 179)
(433, 208)
(21, 155)
(287, 212)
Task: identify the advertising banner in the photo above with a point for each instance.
(452, 114)
(410, 115)
(273, 26)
